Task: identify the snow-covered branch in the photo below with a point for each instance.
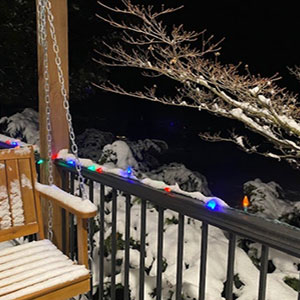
(151, 47)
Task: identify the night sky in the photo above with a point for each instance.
(263, 35)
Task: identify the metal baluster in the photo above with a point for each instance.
(127, 247)
(90, 240)
(160, 234)
(179, 256)
(63, 215)
(263, 272)
(101, 242)
(113, 245)
(203, 260)
(142, 250)
(230, 266)
(91, 221)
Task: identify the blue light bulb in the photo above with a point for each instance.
(14, 144)
(129, 171)
(71, 162)
(211, 204)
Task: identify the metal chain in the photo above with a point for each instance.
(43, 42)
(74, 147)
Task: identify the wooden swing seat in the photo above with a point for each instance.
(37, 270)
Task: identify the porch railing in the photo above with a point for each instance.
(268, 233)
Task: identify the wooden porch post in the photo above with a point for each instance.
(60, 137)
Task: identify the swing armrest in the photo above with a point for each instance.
(83, 209)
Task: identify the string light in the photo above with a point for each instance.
(12, 143)
(167, 189)
(246, 203)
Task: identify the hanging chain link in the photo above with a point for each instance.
(74, 147)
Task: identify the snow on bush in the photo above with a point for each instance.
(23, 125)
(266, 199)
(145, 151)
(119, 155)
(91, 142)
(140, 154)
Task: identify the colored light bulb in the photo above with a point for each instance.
(246, 203)
(40, 161)
(14, 143)
(54, 156)
(71, 162)
(129, 171)
(211, 204)
(92, 168)
(167, 189)
(99, 170)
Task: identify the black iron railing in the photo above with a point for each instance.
(236, 223)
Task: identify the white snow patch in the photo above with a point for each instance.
(254, 91)
(5, 215)
(16, 203)
(263, 99)
(25, 182)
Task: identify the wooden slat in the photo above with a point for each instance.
(18, 231)
(15, 153)
(38, 206)
(13, 185)
(82, 237)
(27, 192)
(4, 198)
(62, 291)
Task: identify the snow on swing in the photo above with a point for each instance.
(85, 206)
(16, 203)
(5, 215)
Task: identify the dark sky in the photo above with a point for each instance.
(263, 34)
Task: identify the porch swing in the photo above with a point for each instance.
(37, 269)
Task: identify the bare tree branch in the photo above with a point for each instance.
(204, 83)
